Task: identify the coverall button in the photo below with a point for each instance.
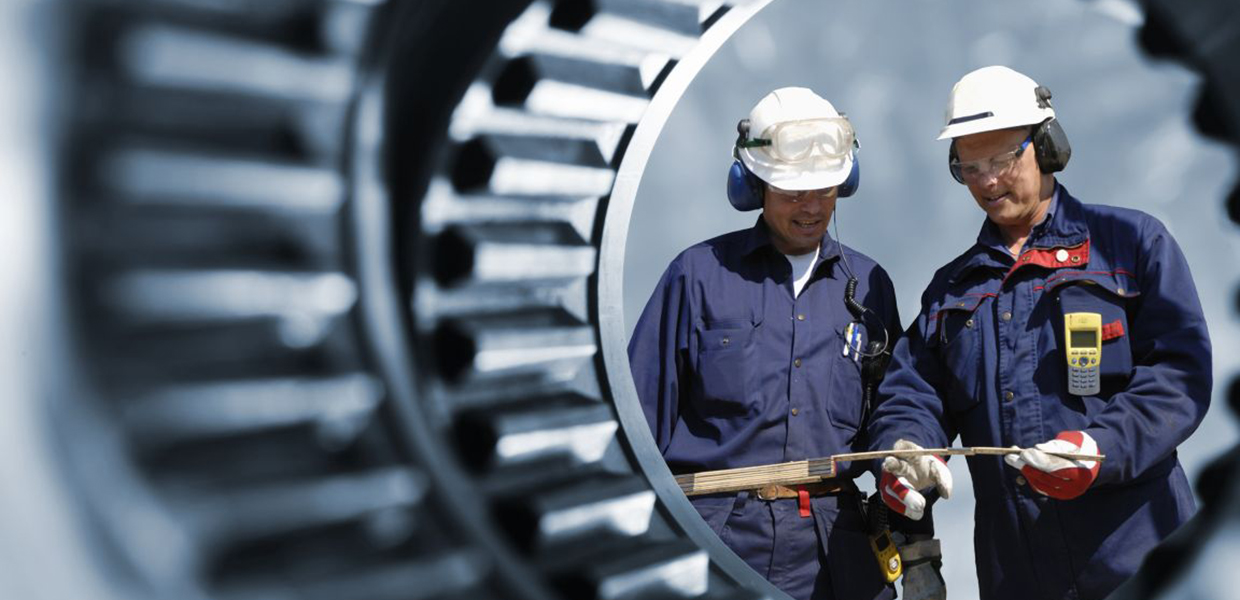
(794, 412)
(1008, 395)
(1020, 480)
(969, 323)
(797, 362)
(1007, 316)
(800, 317)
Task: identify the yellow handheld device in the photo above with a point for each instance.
(1083, 348)
(887, 554)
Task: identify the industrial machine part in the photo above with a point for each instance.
(319, 299)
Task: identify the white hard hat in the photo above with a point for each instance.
(993, 98)
(819, 170)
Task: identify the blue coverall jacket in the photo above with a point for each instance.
(985, 361)
(733, 370)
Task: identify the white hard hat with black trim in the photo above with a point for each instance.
(997, 97)
(993, 98)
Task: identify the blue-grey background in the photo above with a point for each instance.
(890, 66)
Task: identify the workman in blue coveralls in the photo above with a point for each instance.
(1067, 327)
(748, 353)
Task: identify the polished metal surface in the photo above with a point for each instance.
(320, 299)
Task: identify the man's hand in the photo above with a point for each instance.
(903, 477)
(1057, 477)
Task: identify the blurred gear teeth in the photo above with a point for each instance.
(669, 26)
(497, 254)
(448, 574)
(153, 176)
(580, 432)
(502, 296)
(256, 512)
(190, 411)
(186, 58)
(544, 345)
(257, 437)
(676, 569)
(557, 516)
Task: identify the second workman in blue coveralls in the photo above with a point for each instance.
(1066, 327)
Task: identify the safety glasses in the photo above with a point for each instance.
(796, 141)
(973, 171)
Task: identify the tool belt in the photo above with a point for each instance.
(773, 491)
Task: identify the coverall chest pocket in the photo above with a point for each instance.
(845, 406)
(1108, 298)
(725, 366)
(956, 336)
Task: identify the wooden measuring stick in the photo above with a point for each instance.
(816, 469)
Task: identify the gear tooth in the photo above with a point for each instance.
(601, 86)
(210, 239)
(542, 346)
(595, 511)
(503, 438)
(444, 573)
(161, 55)
(1233, 210)
(537, 165)
(492, 254)
(676, 569)
(1203, 37)
(189, 411)
(163, 296)
(685, 17)
(464, 300)
(443, 208)
(150, 176)
(1211, 116)
(233, 517)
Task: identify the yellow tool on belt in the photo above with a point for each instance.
(801, 472)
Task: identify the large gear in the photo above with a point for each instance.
(340, 284)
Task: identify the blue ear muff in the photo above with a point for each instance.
(849, 187)
(745, 190)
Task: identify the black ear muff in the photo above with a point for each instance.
(951, 158)
(1052, 147)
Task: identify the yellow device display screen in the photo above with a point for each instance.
(1083, 333)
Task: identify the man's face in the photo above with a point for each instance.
(797, 220)
(1008, 188)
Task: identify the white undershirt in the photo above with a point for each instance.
(802, 268)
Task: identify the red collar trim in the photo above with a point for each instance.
(1052, 258)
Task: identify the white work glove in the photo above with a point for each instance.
(1057, 477)
(903, 477)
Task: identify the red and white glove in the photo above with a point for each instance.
(1057, 477)
(903, 477)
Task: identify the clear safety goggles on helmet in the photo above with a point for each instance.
(796, 141)
(998, 165)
